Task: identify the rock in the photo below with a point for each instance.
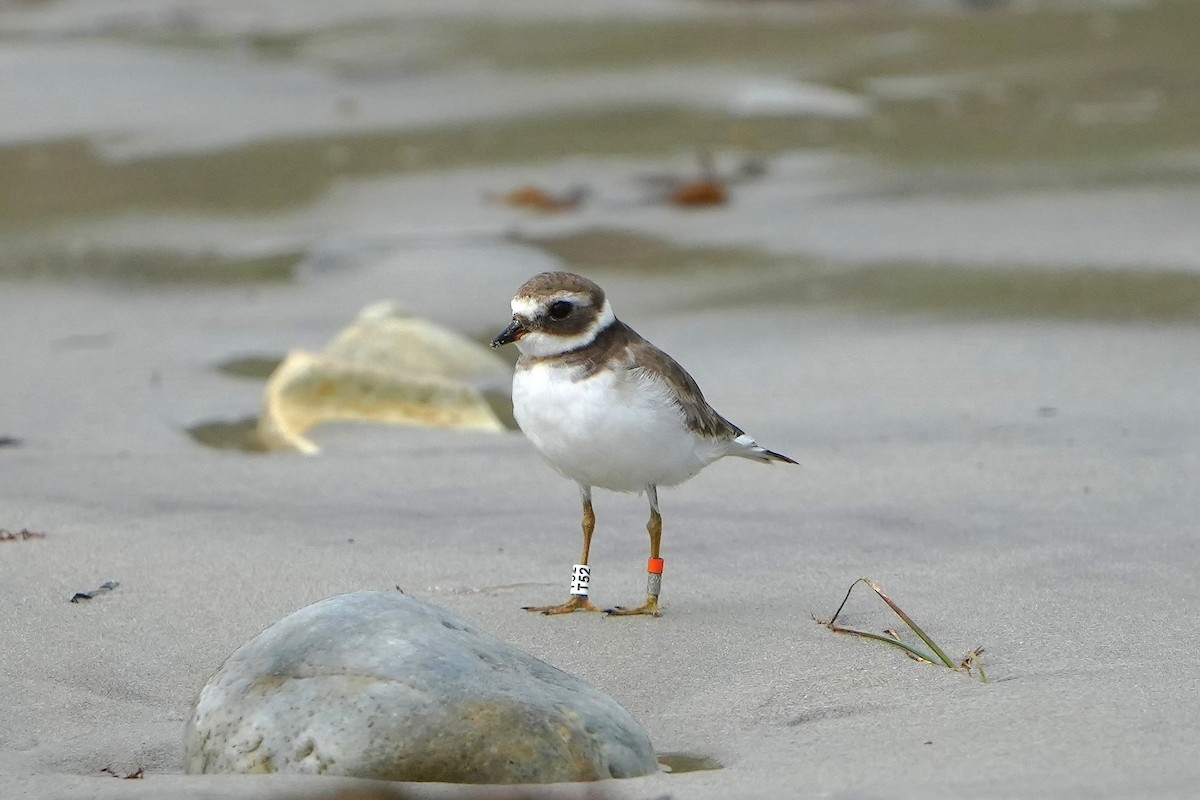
(383, 685)
(386, 337)
(387, 367)
(310, 389)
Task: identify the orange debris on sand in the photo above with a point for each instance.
(537, 199)
(699, 193)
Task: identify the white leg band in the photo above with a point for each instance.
(581, 579)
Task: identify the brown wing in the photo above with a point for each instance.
(699, 415)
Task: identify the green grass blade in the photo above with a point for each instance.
(924, 637)
(971, 661)
(912, 651)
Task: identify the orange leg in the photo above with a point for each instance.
(577, 602)
(654, 577)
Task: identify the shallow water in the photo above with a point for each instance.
(948, 289)
(219, 136)
(681, 763)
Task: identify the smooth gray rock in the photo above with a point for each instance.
(383, 685)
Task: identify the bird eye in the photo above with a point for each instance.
(560, 309)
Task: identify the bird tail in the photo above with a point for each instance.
(746, 447)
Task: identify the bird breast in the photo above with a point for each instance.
(618, 429)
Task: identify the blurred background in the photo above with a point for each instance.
(264, 169)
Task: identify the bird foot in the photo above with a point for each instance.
(649, 609)
(576, 603)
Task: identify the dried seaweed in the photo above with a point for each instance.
(22, 535)
(107, 586)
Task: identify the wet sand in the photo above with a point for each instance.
(1062, 541)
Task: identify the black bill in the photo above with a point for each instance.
(510, 334)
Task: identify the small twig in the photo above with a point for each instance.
(845, 599)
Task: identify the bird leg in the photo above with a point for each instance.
(580, 578)
(654, 567)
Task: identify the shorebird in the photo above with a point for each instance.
(608, 409)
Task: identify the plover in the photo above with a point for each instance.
(608, 409)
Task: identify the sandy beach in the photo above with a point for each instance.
(1020, 480)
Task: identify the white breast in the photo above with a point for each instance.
(617, 429)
